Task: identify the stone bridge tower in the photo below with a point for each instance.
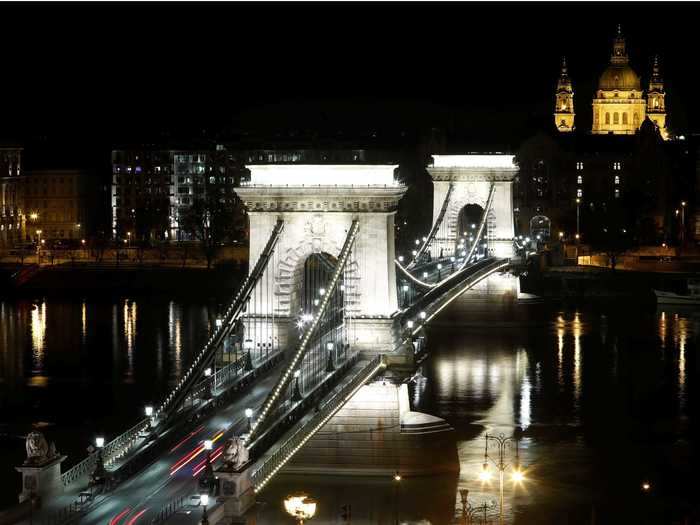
(318, 204)
(471, 177)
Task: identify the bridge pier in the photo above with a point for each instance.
(41, 480)
(238, 494)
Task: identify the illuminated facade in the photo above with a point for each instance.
(55, 204)
(11, 210)
(564, 109)
(620, 105)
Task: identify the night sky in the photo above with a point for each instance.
(87, 76)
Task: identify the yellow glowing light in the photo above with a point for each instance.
(646, 486)
(300, 506)
(485, 474)
(518, 476)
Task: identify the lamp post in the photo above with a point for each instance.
(301, 507)
(405, 295)
(578, 216)
(204, 501)
(330, 366)
(296, 394)
(683, 204)
(517, 476)
(249, 416)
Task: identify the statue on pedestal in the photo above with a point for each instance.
(38, 450)
(235, 453)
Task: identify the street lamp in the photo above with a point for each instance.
(683, 203)
(578, 216)
(330, 367)
(204, 501)
(249, 415)
(397, 482)
(301, 507)
(296, 394)
(517, 476)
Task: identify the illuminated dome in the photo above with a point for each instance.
(619, 76)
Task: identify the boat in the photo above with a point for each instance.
(691, 298)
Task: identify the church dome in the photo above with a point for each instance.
(619, 76)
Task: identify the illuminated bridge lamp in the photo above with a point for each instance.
(425, 239)
(422, 315)
(322, 292)
(409, 324)
(207, 372)
(219, 322)
(149, 410)
(414, 252)
(417, 242)
(400, 258)
(249, 415)
(248, 344)
(204, 501)
(208, 444)
(425, 275)
(439, 266)
(99, 442)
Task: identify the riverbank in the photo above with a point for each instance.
(101, 278)
(587, 282)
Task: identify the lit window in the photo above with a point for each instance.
(617, 179)
(617, 193)
(579, 193)
(579, 165)
(579, 179)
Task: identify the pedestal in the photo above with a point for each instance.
(237, 492)
(42, 480)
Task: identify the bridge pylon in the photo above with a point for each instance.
(318, 204)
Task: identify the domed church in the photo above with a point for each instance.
(619, 106)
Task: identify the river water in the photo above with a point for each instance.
(604, 398)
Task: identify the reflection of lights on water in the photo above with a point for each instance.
(577, 330)
(38, 325)
(561, 330)
(83, 317)
(682, 335)
(175, 338)
(662, 330)
(525, 388)
(130, 334)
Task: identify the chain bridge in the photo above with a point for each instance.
(328, 307)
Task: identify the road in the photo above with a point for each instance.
(140, 499)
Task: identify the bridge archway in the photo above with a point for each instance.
(468, 219)
(471, 178)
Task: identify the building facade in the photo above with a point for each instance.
(153, 188)
(55, 204)
(12, 219)
(620, 105)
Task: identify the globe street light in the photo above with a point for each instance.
(301, 507)
(517, 476)
(249, 415)
(204, 501)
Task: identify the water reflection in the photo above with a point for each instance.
(129, 316)
(38, 331)
(175, 340)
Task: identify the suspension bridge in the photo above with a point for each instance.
(327, 306)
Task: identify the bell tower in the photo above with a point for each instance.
(656, 103)
(564, 104)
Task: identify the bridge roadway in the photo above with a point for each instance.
(172, 475)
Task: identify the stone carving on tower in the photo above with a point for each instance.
(656, 104)
(564, 104)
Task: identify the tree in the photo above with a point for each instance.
(217, 216)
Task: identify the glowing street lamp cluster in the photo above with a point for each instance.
(301, 350)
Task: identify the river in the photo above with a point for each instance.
(604, 398)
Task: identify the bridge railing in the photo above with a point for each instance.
(111, 452)
(277, 459)
(434, 229)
